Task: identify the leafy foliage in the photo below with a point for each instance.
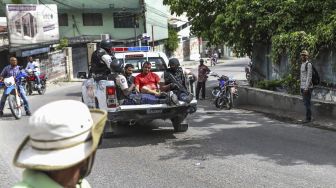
(269, 84)
(64, 42)
(17, 1)
(288, 25)
(171, 44)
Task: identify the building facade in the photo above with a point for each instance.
(128, 22)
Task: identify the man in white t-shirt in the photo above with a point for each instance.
(34, 67)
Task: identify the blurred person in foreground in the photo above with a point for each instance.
(60, 148)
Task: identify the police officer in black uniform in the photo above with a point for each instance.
(174, 80)
(101, 60)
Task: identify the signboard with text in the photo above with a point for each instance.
(32, 23)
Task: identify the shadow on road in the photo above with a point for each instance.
(140, 135)
(237, 132)
(74, 94)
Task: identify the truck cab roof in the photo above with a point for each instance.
(158, 60)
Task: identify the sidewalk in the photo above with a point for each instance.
(287, 108)
(194, 64)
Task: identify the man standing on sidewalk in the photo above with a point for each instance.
(203, 71)
(306, 85)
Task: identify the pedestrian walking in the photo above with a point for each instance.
(60, 148)
(219, 53)
(203, 72)
(306, 85)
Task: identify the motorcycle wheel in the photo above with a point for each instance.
(229, 100)
(15, 109)
(220, 102)
(43, 89)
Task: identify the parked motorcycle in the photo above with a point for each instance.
(15, 102)
(32, 82)
(225, 92)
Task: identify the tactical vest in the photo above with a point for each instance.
(97, 66)
(178, 75)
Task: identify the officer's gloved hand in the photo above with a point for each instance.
(173, 86)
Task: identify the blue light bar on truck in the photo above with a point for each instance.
(132, 49)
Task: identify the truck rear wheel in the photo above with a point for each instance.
(180, 124)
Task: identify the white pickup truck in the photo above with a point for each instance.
(102, 94)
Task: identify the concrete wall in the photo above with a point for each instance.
(156, 19)
(283, 103)
(325, 64)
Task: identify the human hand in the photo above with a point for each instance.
(172, 86)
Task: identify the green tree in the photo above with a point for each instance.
(64, 42)
(171, 44)
(17, 1)
(287, 25)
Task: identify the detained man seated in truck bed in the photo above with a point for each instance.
(125, 88)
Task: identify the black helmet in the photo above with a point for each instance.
(174, 61)
(106, 44)
(116, 65)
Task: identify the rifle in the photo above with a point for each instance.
(179, 85)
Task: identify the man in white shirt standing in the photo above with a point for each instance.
(34, 67)
(306, 85)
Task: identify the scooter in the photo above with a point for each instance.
(225, 92)
(15, 102)
(32, 82)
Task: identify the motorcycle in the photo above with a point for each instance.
(15, 102)
(225, 92)
(32, 82)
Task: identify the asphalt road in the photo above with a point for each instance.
(235, 148)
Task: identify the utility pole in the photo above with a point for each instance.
(135, 33)
(153, 45)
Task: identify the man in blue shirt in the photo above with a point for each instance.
(13, 70)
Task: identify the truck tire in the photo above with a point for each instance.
(180, 124)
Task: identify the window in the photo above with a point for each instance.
(92, 19)
(63, 20)
(124, 21)
(157, 63)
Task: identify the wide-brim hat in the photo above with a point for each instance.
(63, 150)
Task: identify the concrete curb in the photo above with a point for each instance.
(290, 109)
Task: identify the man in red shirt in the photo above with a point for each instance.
(147, 81)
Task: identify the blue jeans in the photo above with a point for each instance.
(307, 102)
(143, 99)
(37, 78)
(183, 96)
(22, 94)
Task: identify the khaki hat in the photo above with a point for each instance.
(61, 134)
(304, 52)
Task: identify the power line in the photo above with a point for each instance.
(57, 1)
(48, 7)
(160, 12)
